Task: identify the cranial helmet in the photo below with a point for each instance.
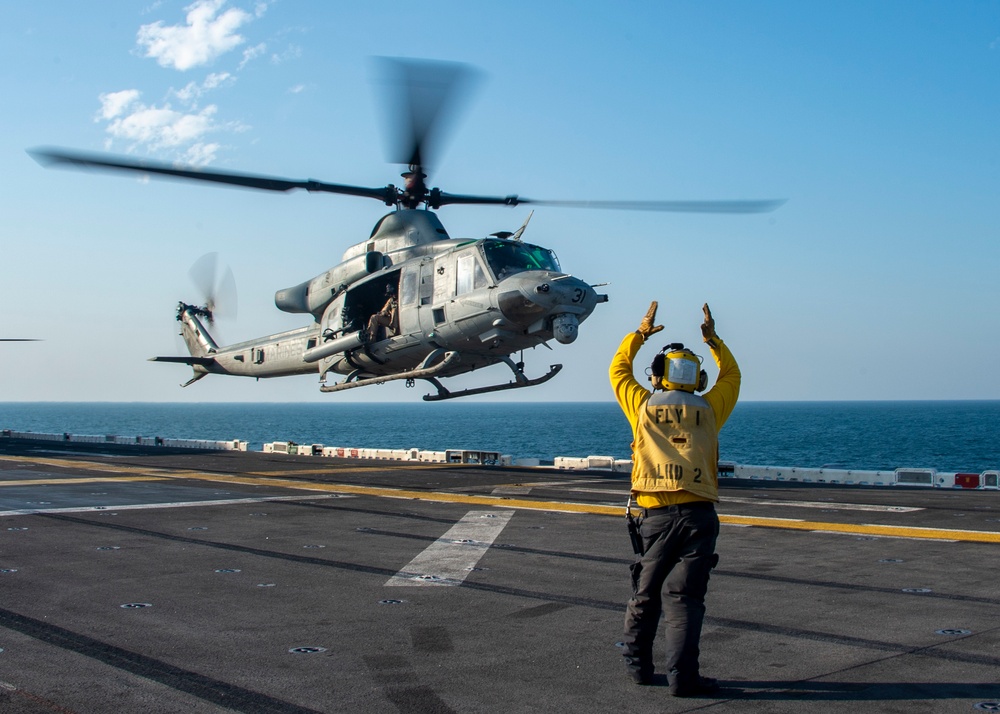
(677, 367)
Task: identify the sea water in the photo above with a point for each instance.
(961, 436)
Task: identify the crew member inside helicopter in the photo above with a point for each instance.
(387, 317)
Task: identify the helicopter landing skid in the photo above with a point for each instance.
(419, 373)
(521, 381)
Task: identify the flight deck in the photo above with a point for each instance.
(145, 579)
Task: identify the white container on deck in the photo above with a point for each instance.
(915, 477)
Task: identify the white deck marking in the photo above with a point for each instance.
(821, 504)
(450, 559)
(511, 491)
(176, 504)
(521, 489)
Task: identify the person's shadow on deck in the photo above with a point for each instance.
(987, 693)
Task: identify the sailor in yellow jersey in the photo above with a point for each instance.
(675, 484)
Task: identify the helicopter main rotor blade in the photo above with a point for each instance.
(62, 158)
(761, 206)
(439, 198)
(424, 96)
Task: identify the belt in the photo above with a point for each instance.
(679, 507)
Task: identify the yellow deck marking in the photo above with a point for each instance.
(408, 466)
(82, 465)
(73, 481)
(868, 529)
(436, 496)
(565, 507)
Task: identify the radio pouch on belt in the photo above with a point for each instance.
(633, 529)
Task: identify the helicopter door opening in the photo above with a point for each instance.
(374, 306)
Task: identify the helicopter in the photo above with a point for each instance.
(409, 302)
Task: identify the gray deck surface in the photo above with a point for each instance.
(155, 582)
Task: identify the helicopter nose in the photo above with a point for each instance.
(546, 302)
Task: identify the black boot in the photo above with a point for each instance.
(640, 671)
(696, 686)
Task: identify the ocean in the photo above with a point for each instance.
(959, 436)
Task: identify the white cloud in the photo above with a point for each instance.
(252, 53)
(190, 93)
(216, 79)
(200, 154)
(207, 35)
(180, 125)
(297, 89)
(115, 103)
(180, 133)
(162, 127)
(290, 53)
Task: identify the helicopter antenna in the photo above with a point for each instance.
(520, 231)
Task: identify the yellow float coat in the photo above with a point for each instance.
(632, 397)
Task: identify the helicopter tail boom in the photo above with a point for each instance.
(196, 337)
(200, 361)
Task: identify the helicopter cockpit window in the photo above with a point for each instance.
(470, 274)
(508, 257)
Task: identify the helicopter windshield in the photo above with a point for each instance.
(507, 257)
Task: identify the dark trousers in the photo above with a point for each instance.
(671, 578)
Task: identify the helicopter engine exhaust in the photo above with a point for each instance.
(565, 327)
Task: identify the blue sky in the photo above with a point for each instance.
(879, 122)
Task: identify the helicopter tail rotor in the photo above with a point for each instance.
(216, 287)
